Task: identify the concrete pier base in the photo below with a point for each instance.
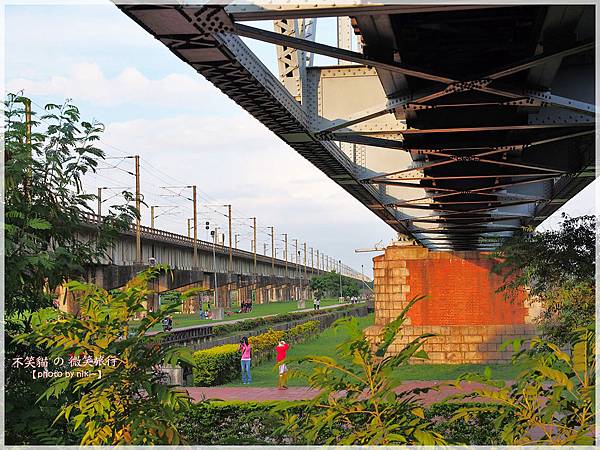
(462, 307)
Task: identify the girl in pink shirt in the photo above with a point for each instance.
(246, 350)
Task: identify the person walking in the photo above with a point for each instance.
(167, 323)
(246, 350)
(281, 350)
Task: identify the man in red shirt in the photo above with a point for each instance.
(281, 350)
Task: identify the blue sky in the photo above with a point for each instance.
(186, 131)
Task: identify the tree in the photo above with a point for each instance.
(329, 285)
(123, 399)
(358, 403)
(44, 199)
(558, 269)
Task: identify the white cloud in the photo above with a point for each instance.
(236, 160)
(86, 82)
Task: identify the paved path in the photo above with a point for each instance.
(250, 393)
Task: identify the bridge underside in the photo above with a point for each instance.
(455, 124)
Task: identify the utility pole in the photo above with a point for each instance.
(296, 252)
(153, 216)
(254, 229)
(236, 240)
(265, 248)
(318, 265)
(340, 262)
(216, 295)
(189, 228)
(138, 230)
(230, 237)
(312, 261)
(99, 203)
(27, 103)
(299, 273)
(272, 250)
(27, 181)
(285, 254)
(194, 200)
(100, 189)
(305, 275)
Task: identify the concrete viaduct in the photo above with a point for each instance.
(239, 275)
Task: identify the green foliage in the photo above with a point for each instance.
(44, 200)
(216, 365)
(567, 308)
(557, 267)
(551, 402)
(220, 364)
(253, 324)
(547, 259)
(236, 423)
(257, 423)
(43, 204)
(328, 284)
(170, 297)
(121, 403)
(357, 402)
(302, 332)
(477, 429)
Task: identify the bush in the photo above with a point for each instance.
(264, 344)
(216, 365)
(302, 332)
(231, 423)
(253, 423)
(252, 324)
(551, 402)
(220, 364)
(479, 429)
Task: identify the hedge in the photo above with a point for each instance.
(220, 364)
(251, 324)
(214, 365)
(251, 423)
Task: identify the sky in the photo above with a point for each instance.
(187, 132)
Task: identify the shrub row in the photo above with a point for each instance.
(220, 364)
(252, 423)
(251, 324)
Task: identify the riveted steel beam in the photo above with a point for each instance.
(452, 159)
(276, 10)
(334, 52)
(495, 203)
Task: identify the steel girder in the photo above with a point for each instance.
(204, 38)
(448, 145)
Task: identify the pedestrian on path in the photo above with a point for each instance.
(246, 350)
(317, 300)
(281, 350)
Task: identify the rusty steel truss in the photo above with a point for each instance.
(455, 124)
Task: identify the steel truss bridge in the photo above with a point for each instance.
(455, 124)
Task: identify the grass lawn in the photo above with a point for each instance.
(324, 345)
(267, 309)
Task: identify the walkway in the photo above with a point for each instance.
(305, 393)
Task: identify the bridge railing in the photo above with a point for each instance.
(153, 233)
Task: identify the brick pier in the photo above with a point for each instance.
(462, 306)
